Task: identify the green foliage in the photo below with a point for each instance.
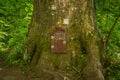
(3, 47)
(113, 70)
(15, 15)
(106, 12)
(2, 37)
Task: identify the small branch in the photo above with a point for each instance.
(76, 70)
(112, 29)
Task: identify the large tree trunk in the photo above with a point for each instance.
(82, 56)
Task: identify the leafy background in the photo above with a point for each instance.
(106, 13)
(15, 16)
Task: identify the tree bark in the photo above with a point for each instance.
(83, 54)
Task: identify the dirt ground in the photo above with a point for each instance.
(11, 73)
(14, 73)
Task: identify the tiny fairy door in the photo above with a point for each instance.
(58, 40)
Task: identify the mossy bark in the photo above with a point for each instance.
(82, 54)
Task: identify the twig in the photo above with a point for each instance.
(76, 70)
(112, 29)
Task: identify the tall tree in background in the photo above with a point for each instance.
(78, 19)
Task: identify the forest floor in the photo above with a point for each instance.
(15, 73)
(11, 73)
